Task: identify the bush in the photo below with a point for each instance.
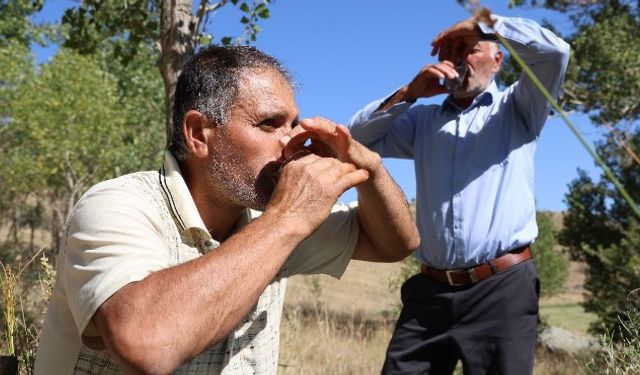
(552, 265)
(621, 356)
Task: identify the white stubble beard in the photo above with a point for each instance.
(229, 171)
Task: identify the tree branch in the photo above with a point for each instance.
(204, 9)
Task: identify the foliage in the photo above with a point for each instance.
(128, 25)
(166, 32)
(15, 23)
(621, 356)
(70, 125)
(603, 81)
(20, 337)
(601, 230)
(552, 265)
(613, 271)
(9, 280)
(410, 267)
(561, 5)
(603, 75)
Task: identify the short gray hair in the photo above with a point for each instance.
(209, 84)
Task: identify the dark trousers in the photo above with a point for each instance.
(490, 326)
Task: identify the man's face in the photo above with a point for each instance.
(483, 62)
(246, 151)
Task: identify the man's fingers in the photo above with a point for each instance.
(295, 143)
(352, 179)
(323, 127)
(328, 172)
(443, 69)
(342, 176)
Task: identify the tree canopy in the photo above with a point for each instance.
(603, 81)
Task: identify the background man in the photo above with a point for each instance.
(170, 271)
(477, 296)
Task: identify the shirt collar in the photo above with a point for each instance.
(181, 202)
(184, 208)
(484, 98)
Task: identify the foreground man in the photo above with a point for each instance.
(170, 272)
(476, 299)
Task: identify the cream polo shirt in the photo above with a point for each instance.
(126, 228)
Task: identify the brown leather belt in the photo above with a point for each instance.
(463, 277)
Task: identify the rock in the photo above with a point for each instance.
(560, 340)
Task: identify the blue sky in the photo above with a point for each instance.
(346, 53)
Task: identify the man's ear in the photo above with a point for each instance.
(194, 127)
(498, 61)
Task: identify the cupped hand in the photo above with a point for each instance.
(325, 138)
(309, 186)
(427, 82)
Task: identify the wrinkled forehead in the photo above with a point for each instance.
(459, 51)
(264, 90)
(489, 44)
(262, 78)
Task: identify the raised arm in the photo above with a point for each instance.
(544, 52)
(175, 313)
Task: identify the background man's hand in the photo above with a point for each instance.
(427, 83)
(456, 42)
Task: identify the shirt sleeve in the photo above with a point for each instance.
(113, 239)
(545, 54)
(390, 133)
(330, 248)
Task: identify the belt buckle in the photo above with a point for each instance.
(471, 272)
(472, 275)
(449, 279)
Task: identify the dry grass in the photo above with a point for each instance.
(363, 289)
(550, 363)
(343, 326)
(338, 326)
(316, 341)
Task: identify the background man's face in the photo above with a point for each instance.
(246, 150)
(483, 62)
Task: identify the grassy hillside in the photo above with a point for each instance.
(343, 326)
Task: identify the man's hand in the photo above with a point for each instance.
(328, 139)
(319, 139)
(456, 42)
(427, 83)
(314, 176)
(424, 85)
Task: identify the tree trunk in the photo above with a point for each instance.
(178, 42)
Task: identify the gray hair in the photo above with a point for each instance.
(209, 84)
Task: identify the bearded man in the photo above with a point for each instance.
(476, 299)
(184, 270)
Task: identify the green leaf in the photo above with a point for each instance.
(244, 20)
(245, 8)
(264, 13)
